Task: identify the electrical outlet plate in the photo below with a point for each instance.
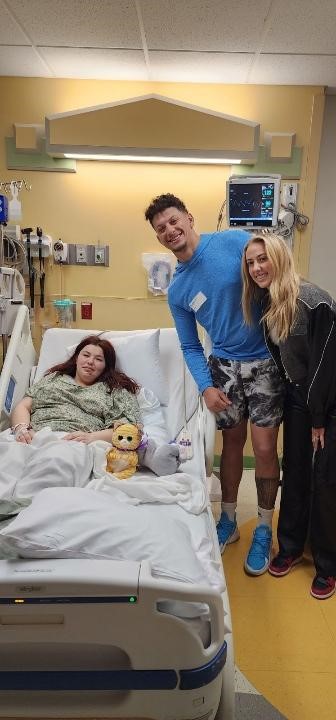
(288, 193)
(81, 255)
(99, 255)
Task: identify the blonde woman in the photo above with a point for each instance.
(299, 320)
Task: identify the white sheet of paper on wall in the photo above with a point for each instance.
(159, 268)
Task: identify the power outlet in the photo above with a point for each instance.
(99, 255)
(288, 193)
(81, 255)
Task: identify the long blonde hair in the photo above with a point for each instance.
(283, 291)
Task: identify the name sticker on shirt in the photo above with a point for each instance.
(198, 301)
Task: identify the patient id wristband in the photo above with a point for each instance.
(20, 427)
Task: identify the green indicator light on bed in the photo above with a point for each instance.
(132, 599)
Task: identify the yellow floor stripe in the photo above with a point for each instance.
(285, 640)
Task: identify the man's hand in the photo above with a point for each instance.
(79, 436)
(318, 437)
(216, 400)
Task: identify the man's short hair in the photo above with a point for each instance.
(161, 203)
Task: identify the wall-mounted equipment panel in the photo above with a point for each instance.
(84, 255)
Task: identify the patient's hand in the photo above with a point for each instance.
(79, 436)
(24, 436)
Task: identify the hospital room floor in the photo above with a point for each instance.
(285, 640)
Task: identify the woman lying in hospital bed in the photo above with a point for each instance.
(76, 402)
(55, 456)
(82, 396)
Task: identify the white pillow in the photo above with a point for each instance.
(83, 523)
(138, 356)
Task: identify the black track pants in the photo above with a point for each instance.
(306, 499)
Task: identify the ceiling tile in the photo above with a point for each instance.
(80, 23)
(303, 26)
(10, 32)
(218, 25)
(189, 41)
(22, 61)
(199, 67)
(96, 64)
(294, 70)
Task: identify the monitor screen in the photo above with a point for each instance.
(253, 201)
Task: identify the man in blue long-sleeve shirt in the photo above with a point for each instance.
(239, 380)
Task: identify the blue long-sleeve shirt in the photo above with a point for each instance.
(207, 289)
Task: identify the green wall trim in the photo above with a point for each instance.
(290, 170)
(17, 160)
(249, 461)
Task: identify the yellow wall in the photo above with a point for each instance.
(104, 202)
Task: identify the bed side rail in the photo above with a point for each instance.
(207, 426)
(189, 593)
(19, 360)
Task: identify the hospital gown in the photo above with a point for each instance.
(62, 405)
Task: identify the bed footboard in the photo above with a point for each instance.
(95, 644)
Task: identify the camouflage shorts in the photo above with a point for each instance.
(255, 389)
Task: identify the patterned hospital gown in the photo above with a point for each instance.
(62, 405)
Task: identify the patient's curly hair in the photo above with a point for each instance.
(110, 376)
(161, 203)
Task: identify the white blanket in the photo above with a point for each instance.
(81, 523)
(70, 517)
(50, 461)
(144, 487)
(46, 462)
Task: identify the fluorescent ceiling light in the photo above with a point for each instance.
(154, 158)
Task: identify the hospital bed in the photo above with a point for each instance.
(105, 638)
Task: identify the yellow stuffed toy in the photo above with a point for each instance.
(122, 459)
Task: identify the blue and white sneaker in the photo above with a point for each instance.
(259, 555)
(227, 531)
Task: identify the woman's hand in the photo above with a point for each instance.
(23, 435)
(20, 418)
(318, 437)
(79, 436)
(216, 400)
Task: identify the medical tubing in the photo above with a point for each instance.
(186, 419)
(220, 216)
